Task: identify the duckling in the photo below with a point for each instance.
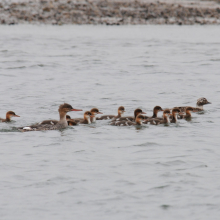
(87, 116)
(94, 112)
(165, 120)
(155, 112)
(175, 114)
(130, 118)
(70, 121)
(9, 115)
(188, 113)
(121, 111)
(138, 121)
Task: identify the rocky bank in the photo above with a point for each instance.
(110, 12)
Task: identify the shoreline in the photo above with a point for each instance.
(111, 12)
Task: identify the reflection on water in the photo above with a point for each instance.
(102, 171)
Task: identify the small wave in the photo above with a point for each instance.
(146, 144)
(18, 67)
(165, 206)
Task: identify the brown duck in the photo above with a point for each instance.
(130, 118)
(138, 121)
(155, 112)
(9, 115)
(199, 105)
(62, 123)
(121, 111)
(165, 120)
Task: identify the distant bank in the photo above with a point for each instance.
(109, 12)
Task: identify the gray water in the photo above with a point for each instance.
(100, 171)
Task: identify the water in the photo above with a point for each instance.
(100, 171)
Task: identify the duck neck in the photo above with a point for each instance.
(87, 120)
(120, 114)
(63, 119)
(155, 114)
(199, 106)
(93, 119)
(138, 122)
(8, 118)
(175, 117)
(135, 115)
(188, 114)
(166, 119)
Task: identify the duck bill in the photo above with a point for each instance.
(208, 103)
(16, 116)
(75, 110)
(92, 116)
(99, 113)
(143, 113)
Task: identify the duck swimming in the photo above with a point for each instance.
(121, 111)
(61, 124)
(175, 114)
(199, 105)
(54, 122)
(94, 112)
(155, 112)
(70, 121)
(87, 116)
(165, 120)
(188, 113)
(9, 115)
(130, 118)
(138, 121)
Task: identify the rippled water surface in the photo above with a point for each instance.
(100, 171)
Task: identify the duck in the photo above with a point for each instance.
(121, 111)
(199, 105)
(175, 114)
(87, 116)
(155, 121)
(9, 115)
(61, 124)
(156, 109)
(138, 121)
(188, 113)
(94, 112)
(70, 121)
(130, 118)
(53, 122)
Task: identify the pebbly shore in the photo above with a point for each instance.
(110, 12)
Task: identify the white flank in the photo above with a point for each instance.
(168, 119)
(27, 128)
(176, 117)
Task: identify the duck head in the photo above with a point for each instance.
(121, 111)
(137, 112)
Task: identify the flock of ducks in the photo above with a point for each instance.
(169, 116)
